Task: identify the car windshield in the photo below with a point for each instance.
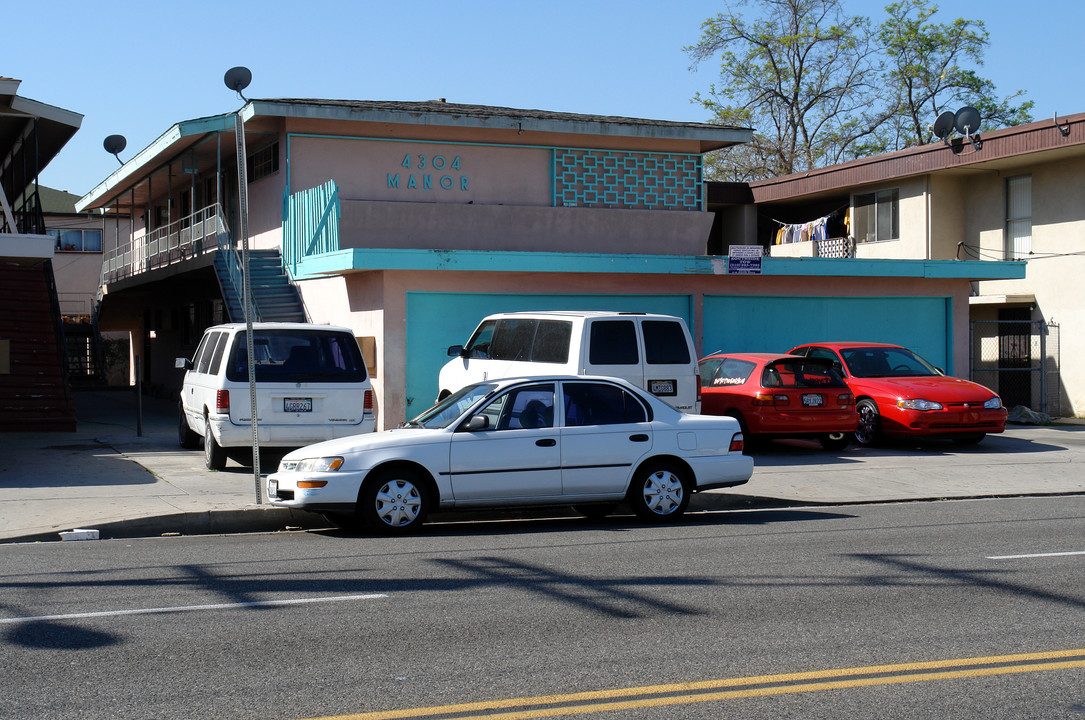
(447, 411)
(875, 362)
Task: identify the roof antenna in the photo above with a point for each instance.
(237, 79)
(114, 144)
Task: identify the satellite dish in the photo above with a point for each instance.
(114, 144)
(943, 126)
(237, 79)
(967, 120)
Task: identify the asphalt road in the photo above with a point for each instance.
(956, 609)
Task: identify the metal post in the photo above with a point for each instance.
(139, 398)
(246, 295)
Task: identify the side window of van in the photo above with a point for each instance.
(598, 404)
(199, 352)
(216, 357)
(479, 344)
(512, 339)
(552, 341)
(664, 343)
(204, 360)
(613, 342)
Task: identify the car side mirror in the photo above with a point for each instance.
(476, 423)
(182, 363)
(940, 371)
(455, 351)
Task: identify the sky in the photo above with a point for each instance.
(137, 68)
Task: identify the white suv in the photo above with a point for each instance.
(311, 385)
(653, 352)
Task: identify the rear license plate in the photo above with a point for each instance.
(297, 404)
(812, 400)
(662, 387)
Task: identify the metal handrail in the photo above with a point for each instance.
(181, 239)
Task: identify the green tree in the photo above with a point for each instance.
(930, 67)
(802, 74)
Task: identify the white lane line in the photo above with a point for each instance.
(1035, 555)
(190, 608)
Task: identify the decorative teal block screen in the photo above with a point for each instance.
(641, 181)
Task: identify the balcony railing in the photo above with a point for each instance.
(200, 232)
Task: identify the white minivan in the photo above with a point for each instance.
(311, 385)
(653, 352)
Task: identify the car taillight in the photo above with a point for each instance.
(845, 399)
(766, 400)
(698, 387)
(736, 443)
(367, 402)
(222, 401)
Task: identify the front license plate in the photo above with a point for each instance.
(662, 387)
(297, 404)
(812, 400)
(273, 488)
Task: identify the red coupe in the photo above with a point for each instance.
(899, 393)
(779, 396)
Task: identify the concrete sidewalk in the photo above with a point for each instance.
(108, 477)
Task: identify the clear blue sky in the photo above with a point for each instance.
(136, 68)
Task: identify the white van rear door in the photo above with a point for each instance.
(613, 350)
(670, 365)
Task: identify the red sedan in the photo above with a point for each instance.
(777, 396)
(899, 393)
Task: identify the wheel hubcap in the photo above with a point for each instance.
(868, 421)
(663, 492)
(398, 503)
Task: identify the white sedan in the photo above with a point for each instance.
(583, 441)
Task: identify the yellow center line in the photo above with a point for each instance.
(893, 674)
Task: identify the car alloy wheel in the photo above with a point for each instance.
(869, 422)
(659, 493)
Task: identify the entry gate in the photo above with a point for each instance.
(1018, 359)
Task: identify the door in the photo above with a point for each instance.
(605, 435)
(614, 350)
(518, 457)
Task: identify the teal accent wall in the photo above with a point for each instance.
(437, 320)
(744, 323)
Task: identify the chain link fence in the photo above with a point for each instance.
(1018, 359)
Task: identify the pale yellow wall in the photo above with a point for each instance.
(913, 224)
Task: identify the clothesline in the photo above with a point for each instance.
(814, 230)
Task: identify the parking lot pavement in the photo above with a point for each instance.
(126, 481)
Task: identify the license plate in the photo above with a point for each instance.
(812, 400)
(662, 387)
(297, 404)
(273, 488)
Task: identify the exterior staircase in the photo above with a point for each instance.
(34, 392)
(275, 297)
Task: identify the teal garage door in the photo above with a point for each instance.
(749, 323)
(437, 320)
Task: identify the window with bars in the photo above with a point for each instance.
(1018, 217)
(876, 216)
(263, 162)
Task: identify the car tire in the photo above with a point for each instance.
(835, 441)
(869, 430)
(394, 502)
(214, 457)
(596, 511)
(660, 492)
(188, 439)
(969, 439)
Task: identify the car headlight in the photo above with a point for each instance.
(919, 404)
(993, 404)
(321, 464)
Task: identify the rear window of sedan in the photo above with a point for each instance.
(721, 372)
(803, 373)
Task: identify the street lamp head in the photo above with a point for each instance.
(237, 79)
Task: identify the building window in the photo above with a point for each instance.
(876, 216)
(1018, 217)
(263, 162)
(77, 240)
